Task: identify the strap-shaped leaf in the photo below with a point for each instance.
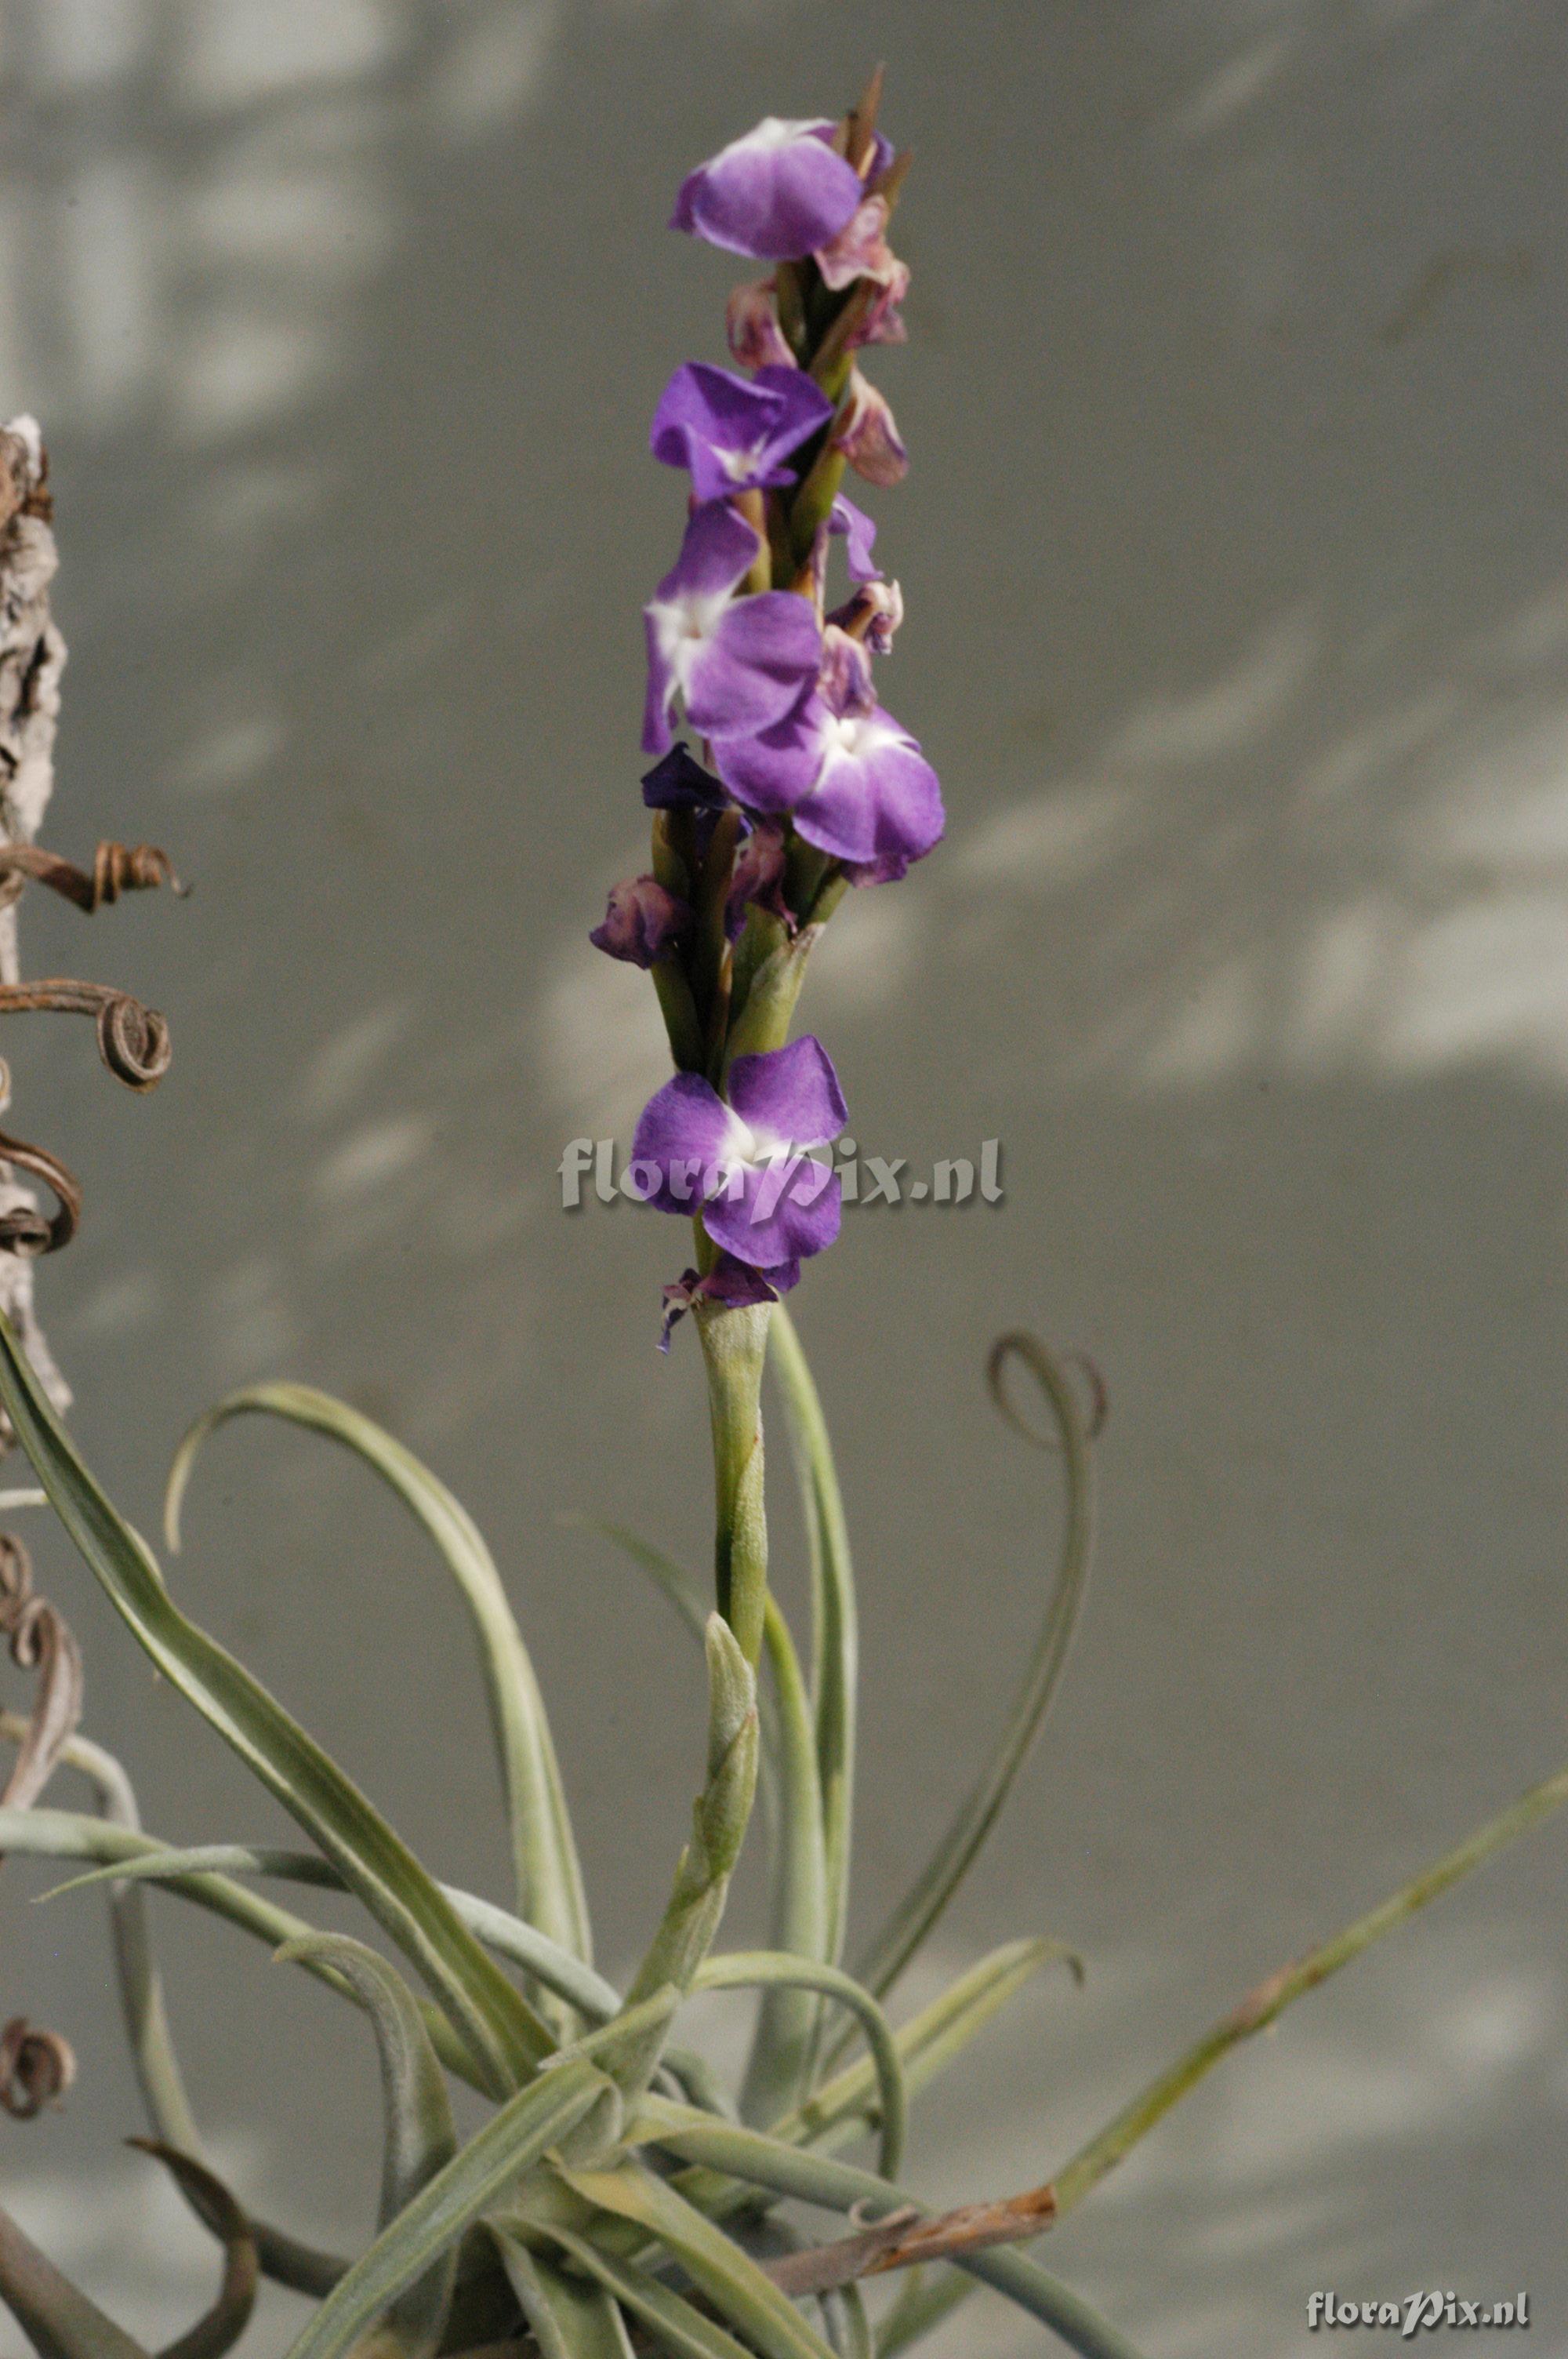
(511, 2142)
(716, 2265)
(420, 2135)
(779, 2068)
(58, 2320)
(918, 1911)
(548, 1876)
(569, 2319)
(754, 1969)
(221, 2327)
(508, 1936)
(835, 1648)
(849, 2328)
(508, 2038)
(1066, 2313)
(676, 2326)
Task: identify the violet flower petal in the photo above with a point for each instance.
(689, 606)
(776, 194)
(860, 531)
(779, 1213)
(877, 802)
(751, 667)
(790, 1096)
(734, 435)
(690, 1139)
(845, 684)
(771, 769)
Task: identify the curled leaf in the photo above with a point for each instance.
(915, 1915)
(223, 2324)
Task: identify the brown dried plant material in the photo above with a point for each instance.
(905, 2238)
(116, 868)
(37, 2067)
(41, 1642)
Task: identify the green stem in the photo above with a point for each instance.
(734, 1346)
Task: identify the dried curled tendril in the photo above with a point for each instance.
(40, 1641)
(25, 1230)
(37, 2067)
(116, 868)
(133, 1041)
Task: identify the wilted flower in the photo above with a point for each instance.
(867, 435)
(751, 325)
(642, 922)
(758, 877)
(860, 250)
(871, 615)
(738, 663)
(730, 1282)
(882, 321)
(743, 1164)
(734, 435)
(778, 194)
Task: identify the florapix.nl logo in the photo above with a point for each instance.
(595, 1171)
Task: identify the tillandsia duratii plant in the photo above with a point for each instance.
(620, 2196)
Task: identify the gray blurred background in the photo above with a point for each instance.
(1235, 550)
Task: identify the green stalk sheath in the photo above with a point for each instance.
(835, 1648)
(778, 2071)
(734, 1346)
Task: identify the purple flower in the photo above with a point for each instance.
(867, 435)
(642, 921)
(730, 1282)
(733, 435)
(751, 325)
(854, 782)
(778, 194)
(743, 1164)
(739, 663)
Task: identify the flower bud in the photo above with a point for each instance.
(642, 921)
